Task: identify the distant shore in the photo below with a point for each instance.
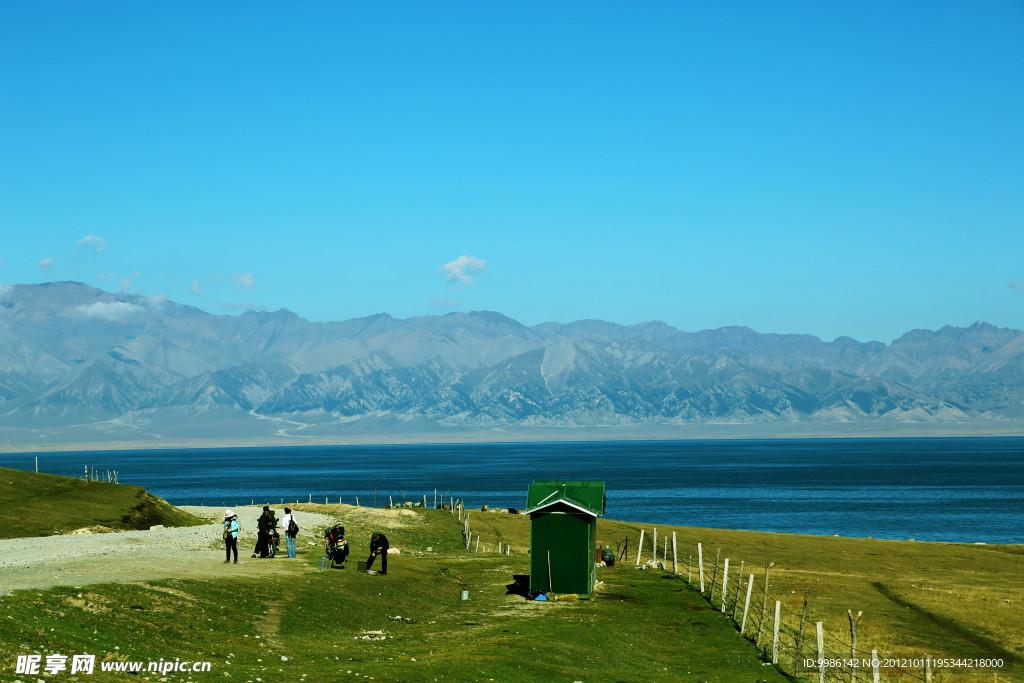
(385, 435)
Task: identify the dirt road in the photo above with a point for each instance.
(130, 556)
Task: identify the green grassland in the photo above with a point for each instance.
(45, 504)
(940, 599)
(410, 625)
(339, 624)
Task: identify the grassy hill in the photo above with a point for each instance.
(946, 600)
(45, 504)
(307, 624)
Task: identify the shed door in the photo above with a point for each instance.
(570, 561)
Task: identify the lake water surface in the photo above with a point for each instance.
(962, 490)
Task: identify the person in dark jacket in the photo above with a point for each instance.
(264, 526)
(378, 546)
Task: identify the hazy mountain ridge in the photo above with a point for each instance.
(73, 354)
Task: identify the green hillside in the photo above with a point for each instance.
(45, 504)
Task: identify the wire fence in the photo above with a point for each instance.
(476, 542)
(784, 632)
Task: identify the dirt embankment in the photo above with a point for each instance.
(183, 552)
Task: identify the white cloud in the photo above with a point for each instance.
(157, 300)
(104, 276)
(243, 281)
(5, 290)
(109, 310)
(197, 284)
(463, 268)
(126, 282)
(96, 244)
(44, 264)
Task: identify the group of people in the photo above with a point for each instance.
(266, 531)
(267, 526)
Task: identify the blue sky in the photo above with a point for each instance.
(816, 167)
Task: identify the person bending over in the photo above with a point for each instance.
(378, 546)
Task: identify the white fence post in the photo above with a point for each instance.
(775, 636)
(746, 605)
(725, 584)
(700, 566)
(821, 652)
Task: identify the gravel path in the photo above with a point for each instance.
(132, 556)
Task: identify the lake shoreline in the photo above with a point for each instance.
(513, 434)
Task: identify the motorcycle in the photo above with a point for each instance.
(273, 541)
(335, 545)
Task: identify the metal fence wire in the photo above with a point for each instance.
(796, 643)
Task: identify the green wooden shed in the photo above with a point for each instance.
(563, 535)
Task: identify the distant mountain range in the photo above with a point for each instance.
(81, 366)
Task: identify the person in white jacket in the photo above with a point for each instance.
(286, 524)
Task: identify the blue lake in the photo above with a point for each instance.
(955, 489)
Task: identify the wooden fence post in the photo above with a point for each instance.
(739, 589)
(689, 569)
(654, 546)
(640, 548)
(821, 652)
(927, 669)
(725, 584)
(675, 557)
(853, 644)
(746, 604)
(700, 566)
(874, 666)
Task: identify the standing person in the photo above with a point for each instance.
(291, 530)
(263, 537)
(231, 529)
(378, 546)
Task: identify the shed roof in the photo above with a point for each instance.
(586, 496)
